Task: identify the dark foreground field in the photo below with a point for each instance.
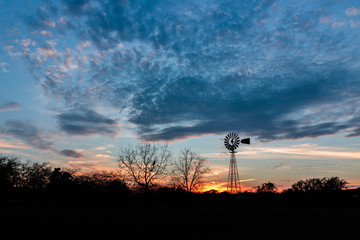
(179, 222)
(36, 200)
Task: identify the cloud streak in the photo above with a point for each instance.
(7, 144)
(30, 134)
(83, 121)
(71, 153)
(6, 105)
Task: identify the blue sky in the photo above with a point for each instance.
(81, 79)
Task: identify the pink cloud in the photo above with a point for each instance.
(353, 11)
(83, 45)
(6, 144)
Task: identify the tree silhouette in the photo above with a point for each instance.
(188, 170)
(320, 185)
(34, 182)
(60, 179)
(35, 175)
(266, 187)
(14, 173)
(144, 163)
(9, 172)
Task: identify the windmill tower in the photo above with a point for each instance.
(231, 142)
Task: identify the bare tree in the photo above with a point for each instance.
(144, 163)
(189, 170)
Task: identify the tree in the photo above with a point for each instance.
(144, 163)
(319, 185)
(35, 175)
(60, 179)
(188, 170)
(334, 184)
(14, 173)
(9, 172)
(266, 187)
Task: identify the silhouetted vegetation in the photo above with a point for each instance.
(266, 187)
(144, 163)
(325, 184)
(29, 182)
(36, 194)
(38, 182)
(188, 170)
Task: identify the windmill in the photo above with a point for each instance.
(231, 142)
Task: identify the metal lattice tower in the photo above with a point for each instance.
(231, 142)
(233, 182)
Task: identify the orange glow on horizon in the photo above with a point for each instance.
(221, 187)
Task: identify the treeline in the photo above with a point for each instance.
(311, 185)
(22, 182)
(141, 167)
(312, 191)
(32, 182)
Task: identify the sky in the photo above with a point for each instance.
(81, 79)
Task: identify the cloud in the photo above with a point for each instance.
(3, 67)
(49, 23)
(179, 69)
(25, 42)
(71, 153)
(92, 165)
(77, 7)
(354, 24)
(6, 105)
(302, 110)
(7, 144)
(84, 121)
(82, 45)
(355, 132)
(337, 24)
(104, 156)
(42, 18)
(305, 167)
(280, 166)
(353, 11)
(64, 25)
(43, 33)
(28, 133)
(46, 52)
(310, 152)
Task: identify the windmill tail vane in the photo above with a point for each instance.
(245, 141)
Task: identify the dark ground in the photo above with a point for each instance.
(190, 222)
(37, 201)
